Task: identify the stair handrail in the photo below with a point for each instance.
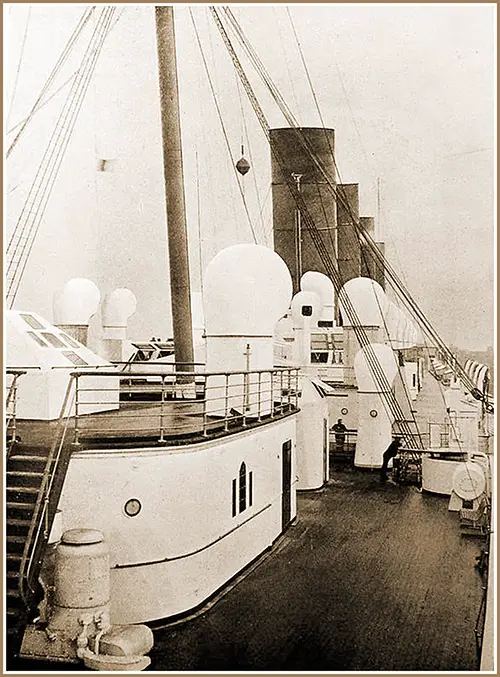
(36, 536)
(12, 397)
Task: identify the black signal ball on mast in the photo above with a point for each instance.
(243, 166)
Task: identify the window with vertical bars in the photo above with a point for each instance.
(243, 488)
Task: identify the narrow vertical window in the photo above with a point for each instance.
(243, 487)
(250, 488)
(234, 498)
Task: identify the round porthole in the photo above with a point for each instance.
(344, 411)
(132, 507)
(374, 413)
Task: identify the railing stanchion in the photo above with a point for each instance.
(273, 373)
(259, 417)
(76, 441)
(289, 395)
(281, 391)
(14, 410)
(226, 404)
(205, 419)
(162, 410)
(296, 389)
(245, 399)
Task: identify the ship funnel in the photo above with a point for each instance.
(74, 305)
(297, 159)
(374, 422)
(118, 306)
(247, 289)
(348, 244)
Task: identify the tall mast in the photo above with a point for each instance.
(174, 189)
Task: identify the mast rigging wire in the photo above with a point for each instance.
(24, 235)
(82, 22)
(245, 138)
(18, 70)
(221, 120)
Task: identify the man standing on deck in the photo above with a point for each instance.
(340, 430)
(391, 451)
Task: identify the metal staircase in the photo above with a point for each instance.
(24, 478)
(34, 480)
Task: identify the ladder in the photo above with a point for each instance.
(408, 463)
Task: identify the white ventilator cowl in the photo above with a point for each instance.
(303, 299)
(401, 331)
(367, 299)
(384, 360)
(247, 288)
(117, 307)
(322, 286)
(76, 302)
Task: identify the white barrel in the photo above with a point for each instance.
(81, 577)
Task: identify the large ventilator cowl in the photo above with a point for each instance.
(323, 287)
(305, 311)
(374, 421)
(401, 331)
(382, 358)
(74, 305)
(306, 308)
(368, 301)
(247, 289)
(116, 309)
(284, 328)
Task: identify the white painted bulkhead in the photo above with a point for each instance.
(185, 543)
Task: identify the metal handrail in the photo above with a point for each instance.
(233, 396)
(40, 517)
(11, 400)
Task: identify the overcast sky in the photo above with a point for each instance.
(409, 90)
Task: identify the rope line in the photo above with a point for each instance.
(24, 235)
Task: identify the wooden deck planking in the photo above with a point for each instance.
(370, 578)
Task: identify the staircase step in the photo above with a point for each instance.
(13, 561)
(18, 522)
(15, 542)
(26, 491)
(19, 461)
(17, 509)
(17, 526)
(14, 557)
(23, 479)
(14, 601)
(24, 450)
(12, 580)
